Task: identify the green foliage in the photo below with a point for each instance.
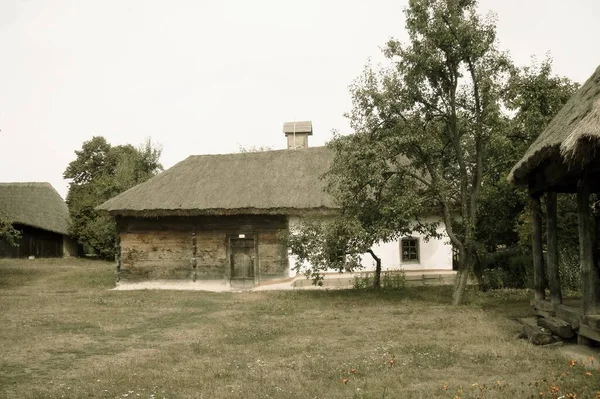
(322, 245)
(100, 172)
(7, 232)
(507, 269)
(569, 270)
(535, 95)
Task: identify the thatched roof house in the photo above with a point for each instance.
(565, 158)
(40, 213)
(250, 183)
(571, 139)
(221, 217)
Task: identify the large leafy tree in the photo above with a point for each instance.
(533, 95)
(432, 117)
(100, 172)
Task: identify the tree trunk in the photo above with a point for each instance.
(460, 284)
(377, 279)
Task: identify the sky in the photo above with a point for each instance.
(206, 77)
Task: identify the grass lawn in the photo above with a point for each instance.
(63, 333)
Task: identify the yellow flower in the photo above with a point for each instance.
(572, 363)
(587, 373)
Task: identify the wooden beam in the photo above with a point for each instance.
(552, 248)
(538, 256)
(586, 249)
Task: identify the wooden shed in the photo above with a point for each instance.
(219, 217)
(42, 216)
(565, 158)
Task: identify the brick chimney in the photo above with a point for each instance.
(297, 134)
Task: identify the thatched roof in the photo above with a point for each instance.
(34, 204)
(268, 182)
(573, 134)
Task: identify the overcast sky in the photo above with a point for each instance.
(208, 76)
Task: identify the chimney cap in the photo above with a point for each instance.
(301, 127)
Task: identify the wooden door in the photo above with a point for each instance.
(242, 262)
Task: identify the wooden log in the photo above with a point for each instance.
(552, 247)
(558, 327)
(586, 247)
(535, 334)
(589, 332)
(538, 256)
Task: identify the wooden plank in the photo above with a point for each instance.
(586, 250)
(589, 332)
(569, 314)
(538, 256)
(552, 248)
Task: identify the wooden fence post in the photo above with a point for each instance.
(194, 260)
(586, 247)
(552, 246)
(118, 256)
(538, 255)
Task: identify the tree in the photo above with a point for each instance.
(326, 244)
(431, 117)
(7, 232)
(100, 172)
(533, 95)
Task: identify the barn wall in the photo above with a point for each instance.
(161, 248)
(33, 242)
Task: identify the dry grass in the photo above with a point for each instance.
(64, 334)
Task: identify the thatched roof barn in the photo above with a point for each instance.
(233, 184)
(565, 158)
(41, 214)
(225, 212)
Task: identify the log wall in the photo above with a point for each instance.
(163, 248)
(33, 242)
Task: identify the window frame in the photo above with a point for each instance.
(417, 250)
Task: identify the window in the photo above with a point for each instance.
(410, 249)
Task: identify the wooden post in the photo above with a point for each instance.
(586, 247)
(538, 255)
(194, 260)
(118, 256)
(552, 246)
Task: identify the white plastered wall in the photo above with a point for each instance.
(434, 254)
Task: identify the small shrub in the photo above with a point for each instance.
(510, 268)
(390, 280)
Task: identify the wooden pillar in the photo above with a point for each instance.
(538, 255)
(552, 247)
(194, 260)
(118, 256)
(586, 247)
